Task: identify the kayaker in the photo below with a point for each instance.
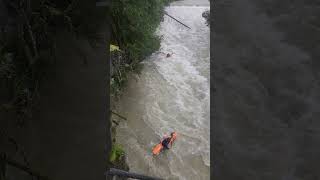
(169, 55)
(167, 142)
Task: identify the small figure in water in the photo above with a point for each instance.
(169, 55)
(166, 54)
(167, 142)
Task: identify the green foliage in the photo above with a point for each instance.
(134, 23)
(114, 48)
(116, 152)
(120, 72)
(23, 57)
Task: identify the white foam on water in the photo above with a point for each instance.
(172, 95)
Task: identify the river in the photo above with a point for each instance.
(171, 94)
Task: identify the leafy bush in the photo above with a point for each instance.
(134, 23)
(116, 152)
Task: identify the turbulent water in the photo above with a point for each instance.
(171, 94)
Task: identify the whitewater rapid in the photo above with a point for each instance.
(171, 94)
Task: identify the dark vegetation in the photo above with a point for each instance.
(31, 60)
(133, 25)
(30, 64)
(27, 46)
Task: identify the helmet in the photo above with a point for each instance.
(174, 134)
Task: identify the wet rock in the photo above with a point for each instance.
(121, 164)
(206, 15)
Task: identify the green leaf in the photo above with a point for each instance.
(116, 152)
(114, 48)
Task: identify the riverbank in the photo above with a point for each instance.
(133, 45)
(171, 93)
(128, 75)
(53, 95)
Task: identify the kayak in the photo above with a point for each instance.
(157, 149)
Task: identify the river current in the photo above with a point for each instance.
(171, 94)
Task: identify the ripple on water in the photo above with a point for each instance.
(172, 94)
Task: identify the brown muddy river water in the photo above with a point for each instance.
(171, 94)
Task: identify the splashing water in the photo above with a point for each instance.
(171, 94)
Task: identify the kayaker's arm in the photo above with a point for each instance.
(171, 142)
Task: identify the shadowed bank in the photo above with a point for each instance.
(67, 136)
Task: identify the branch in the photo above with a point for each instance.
(176, 20)
(115, 122)
(23, 168)
(70, 7)
(26, 21)
(119, 115)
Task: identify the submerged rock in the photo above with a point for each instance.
(121, 164)
(206, 15)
